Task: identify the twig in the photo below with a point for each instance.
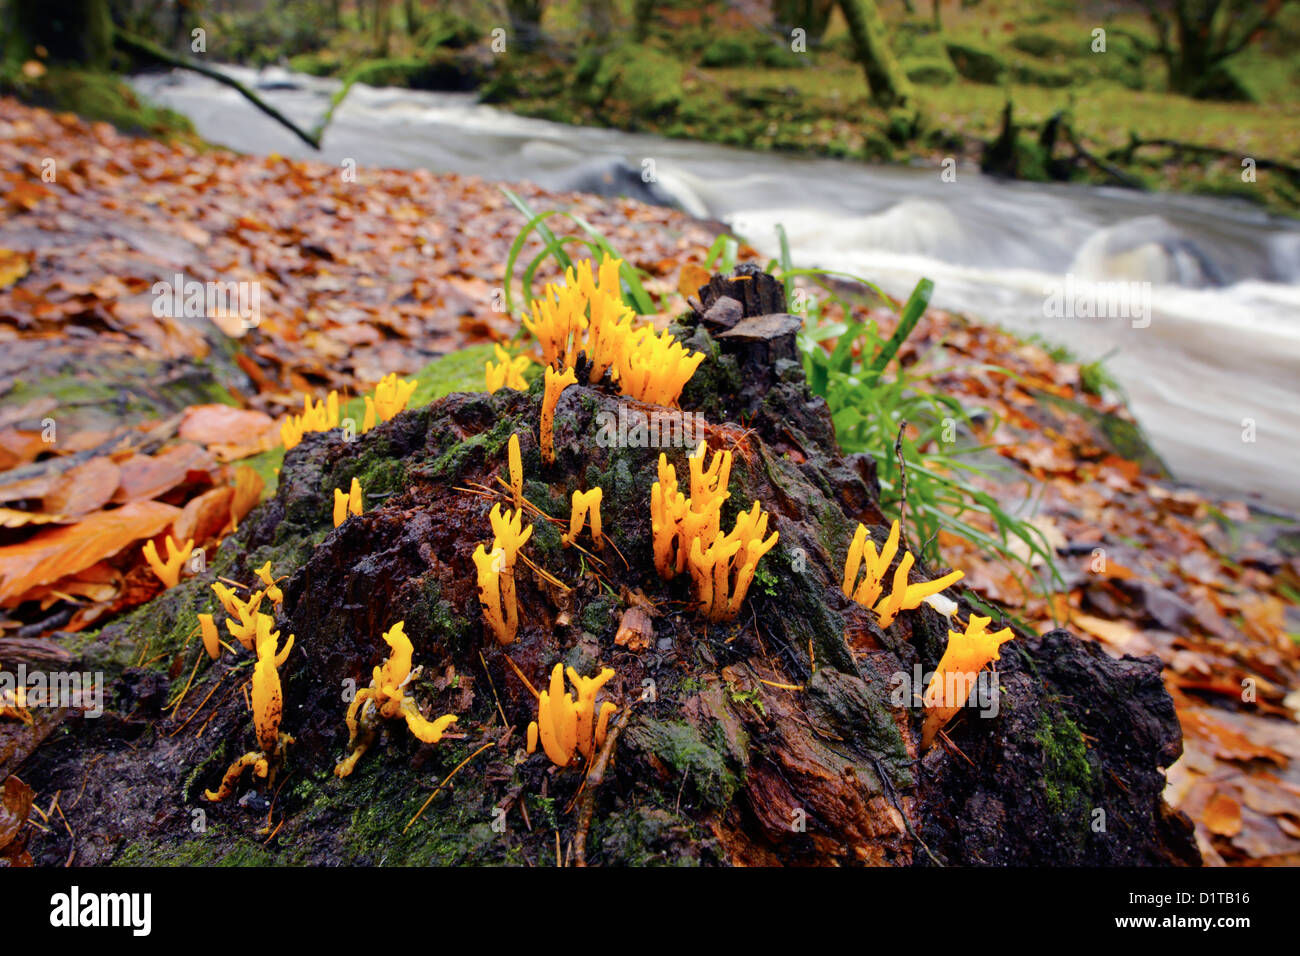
(594, 777)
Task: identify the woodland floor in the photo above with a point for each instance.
(359, 279)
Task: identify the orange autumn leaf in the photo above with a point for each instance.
(83, 488)
(206, 516)
(1223, 815)
(56, 552)
(693, 276)
(229, 433)
(146, 477)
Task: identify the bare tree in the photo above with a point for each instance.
(1196, 36)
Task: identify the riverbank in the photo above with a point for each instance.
(384, 273)
(724, 77)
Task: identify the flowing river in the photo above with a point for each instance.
(1195, 301)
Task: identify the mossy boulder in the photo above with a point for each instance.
(930, 71)
(977, 63)
(638, 79)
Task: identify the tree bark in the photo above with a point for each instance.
(888, 84)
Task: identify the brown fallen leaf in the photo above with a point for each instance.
(15, 804)
(145, 476)
(19, 448)
(229, 433)
(13, 266)
(83, 488)
(204, 517)
(1223, 815)
(1226, 742)
(53, 553)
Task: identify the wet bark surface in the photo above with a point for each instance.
(779, 738)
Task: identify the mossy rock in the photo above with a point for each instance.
(1033, 73)
(1041, 45)
(639, 79)
(930, 71)
(977, 63)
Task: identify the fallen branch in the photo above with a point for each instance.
(1109, 169)
(594, 777)
(1135, 143)
(143, 47)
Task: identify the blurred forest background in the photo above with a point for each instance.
(1165, 94)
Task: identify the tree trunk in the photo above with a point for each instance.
(72, 31)
(813, 16)
(525, 22)
(888, 84)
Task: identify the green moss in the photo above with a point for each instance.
(679, 745)
(105, 97)
(1067, 774)
(930, 71)
(598, 617)
(977, 63)
(460, 371)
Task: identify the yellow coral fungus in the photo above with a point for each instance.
(867, 592)
(169, 571)
(686, 533)
(243, 627)
(908, 597)
(586, 505)
(555, 384)
(655, 368)
(565, 726)
(677, 520)
(516, 471)
(954, 678)
(345, 505)
(496, 572)
(385, 699)
(507, 372)
(268, 708)
(587, 317)
(211, 639)
(392, 394)
(862, 553)
(722, 574)
(318, 416)
(272, 590)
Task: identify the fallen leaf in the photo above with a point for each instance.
(204, 517)
(56, 552)
(1223, 815)
(83, 488)
(145, 476)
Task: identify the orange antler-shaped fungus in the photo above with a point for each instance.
(908, 597)
(345, 505)
(555, 384)
(496, 572)
(507, 372)
(566, 726)
(169, 572)
(585, 505)
(516, 471)
(268, 707)
(386, 698)
(965, 656)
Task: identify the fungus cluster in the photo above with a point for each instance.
(385, 699)
(347, 504)
(496, 572)
(965, 656)
(586, 504)
(586, 316)
(318, 416)
(687, 534)
(867, 592)
(391, 396)
(268, 707)
(566, 726)
(506, 372)
(169, 571)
